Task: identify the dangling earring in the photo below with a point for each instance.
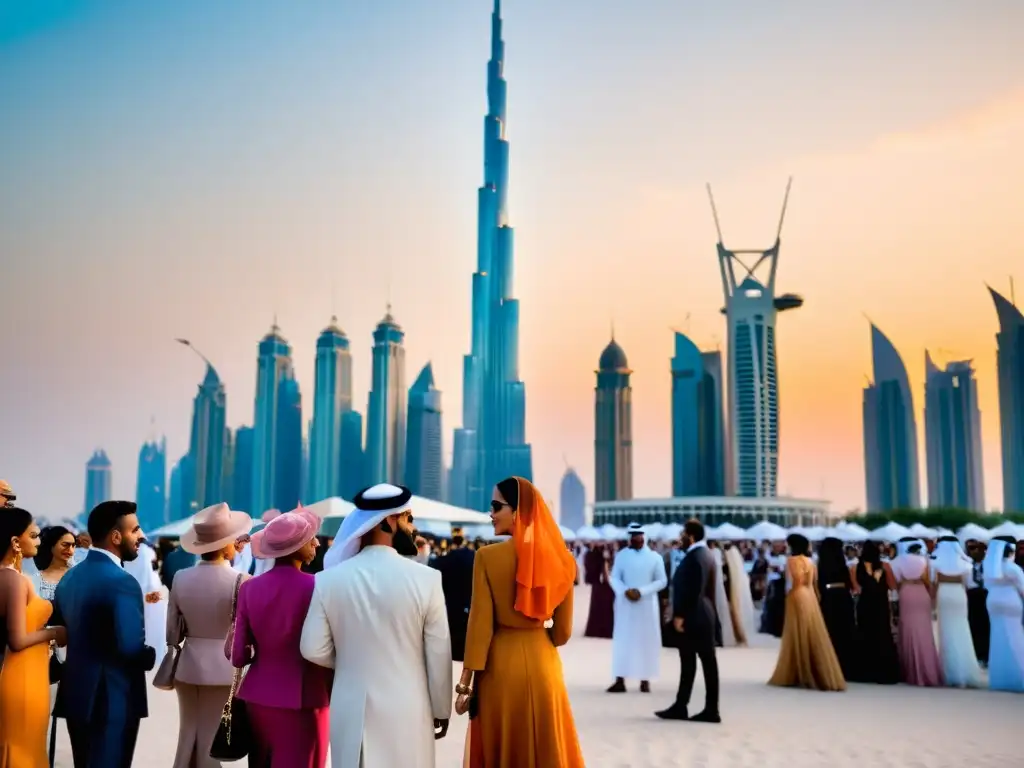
(17, 560)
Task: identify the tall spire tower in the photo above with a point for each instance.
(751, 308)
(491, 444)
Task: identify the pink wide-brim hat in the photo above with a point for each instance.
(285, 534)
(214, 528)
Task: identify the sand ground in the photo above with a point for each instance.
(880, 727)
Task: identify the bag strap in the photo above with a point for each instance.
(226, 713)
(234, 598)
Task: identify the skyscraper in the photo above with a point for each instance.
(424, 466)
(241, 477)
(572, 501)
(273, 369)
(750, 309)
(494, 398)
(890, 432)
(151, 485)
(385, 429)
(290, 449)
(179, 493)
(1010, 364)
(97, 480)
(613, 427)
(206, 445)
(698, 421)
(352, 474)
(952, 435)
(332, 398)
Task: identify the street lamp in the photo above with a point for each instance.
(190, 345)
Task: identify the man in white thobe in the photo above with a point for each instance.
(379, 620)
(637, 576)
(143, 571)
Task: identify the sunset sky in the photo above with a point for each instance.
(192, 168)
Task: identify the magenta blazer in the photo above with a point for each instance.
(268, 624)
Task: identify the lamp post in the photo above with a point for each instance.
(190, 345)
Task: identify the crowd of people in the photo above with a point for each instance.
(285, 646)
(863, 613)
(281, 651)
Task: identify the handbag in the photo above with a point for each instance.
(229, 641)
(234, 735)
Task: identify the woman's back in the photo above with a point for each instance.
(499, 564)
(801, 572)
(518, 670)
(271, 611)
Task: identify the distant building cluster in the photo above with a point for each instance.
(952, 425)
(272, 465)
(725, 423)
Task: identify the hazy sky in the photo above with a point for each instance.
(190, 168)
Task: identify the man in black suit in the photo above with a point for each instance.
(694, 618)
(457, 583)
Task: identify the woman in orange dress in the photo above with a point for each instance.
(807, 658)
(25, 679)
(520, 614)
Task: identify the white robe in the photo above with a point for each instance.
(243, 560)
(379, 620)
(739, 585)
(155, 614)
(636, 636)
(722, 601)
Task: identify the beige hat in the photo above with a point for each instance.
(213, 528)
(6, 491)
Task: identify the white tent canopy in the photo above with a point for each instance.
(852, 531)
(890, 532)
(430, 516)
(765, 531)
(1008, 529)
(922, 531)
(726, 532)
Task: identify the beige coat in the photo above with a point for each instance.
(199, 614)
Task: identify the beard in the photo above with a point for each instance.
(405, 543)
(127, 552)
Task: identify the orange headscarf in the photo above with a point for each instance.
(545, 569)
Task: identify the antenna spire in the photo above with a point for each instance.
(1013, 297)
(714, 213)
(782, 215)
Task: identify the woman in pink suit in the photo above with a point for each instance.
(287, 697)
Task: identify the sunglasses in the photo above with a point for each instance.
(497, 506)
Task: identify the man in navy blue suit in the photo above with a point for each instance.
(102, 693)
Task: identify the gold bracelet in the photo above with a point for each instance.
(463, 690)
